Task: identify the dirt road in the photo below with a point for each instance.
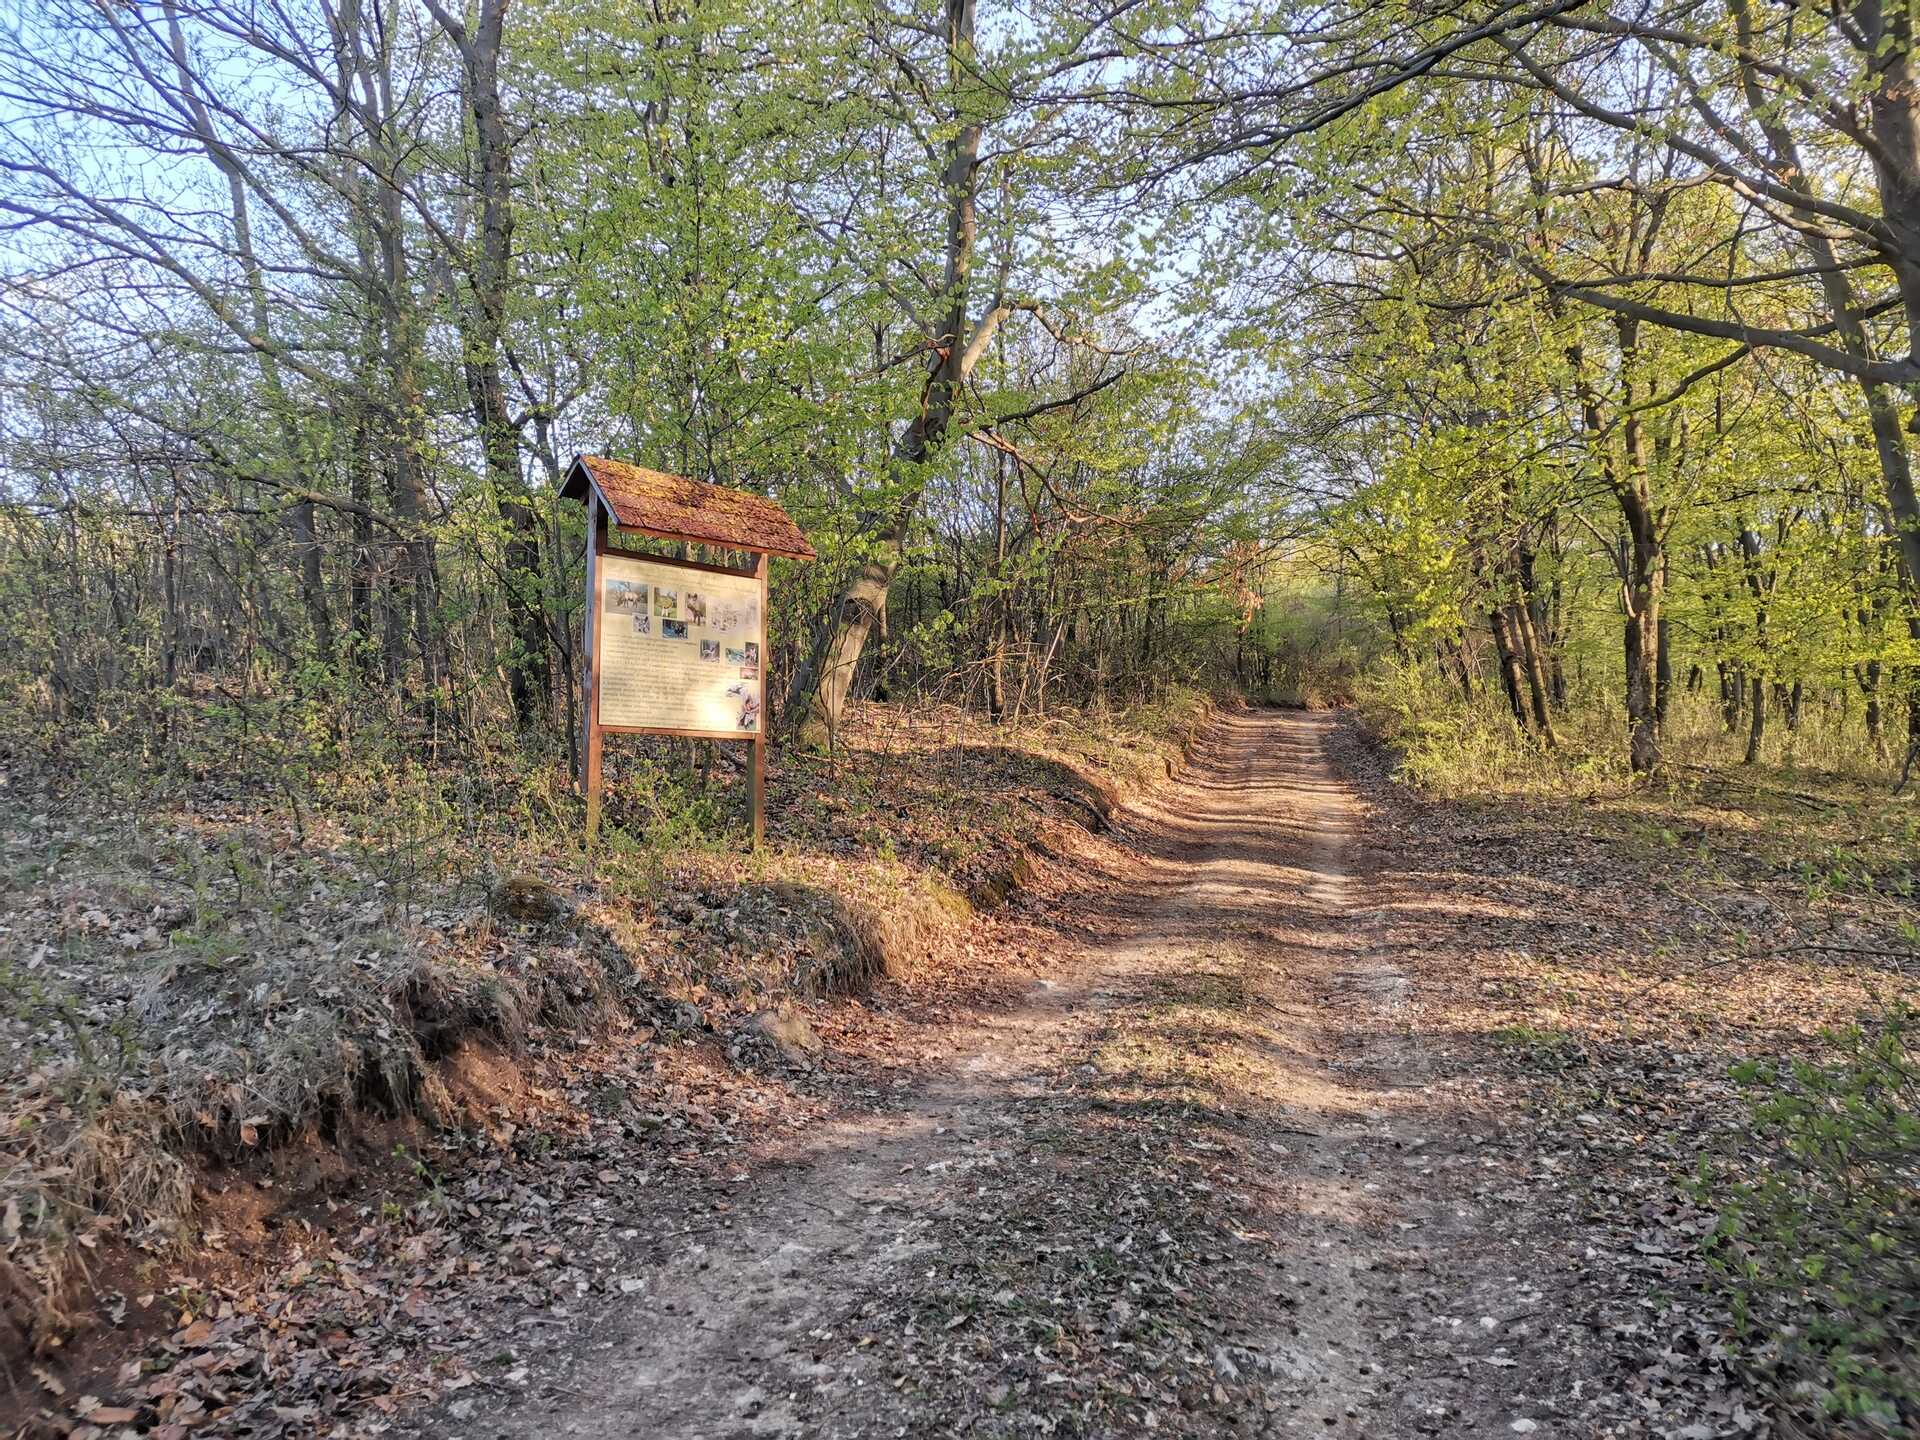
(1199, 1182)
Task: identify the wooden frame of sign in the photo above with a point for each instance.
(672, 646)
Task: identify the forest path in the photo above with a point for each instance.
(1188, 1186)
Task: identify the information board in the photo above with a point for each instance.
(680, 648)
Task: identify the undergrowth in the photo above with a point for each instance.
(277, 925)
(1451, 745)
(1818, 1241)
(1815, 1171)
(1820, 806)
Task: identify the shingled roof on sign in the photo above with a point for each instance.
(673, 507)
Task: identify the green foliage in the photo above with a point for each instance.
(1444, 743)
(1308, 643)
(660, 810)
(1818, 1240)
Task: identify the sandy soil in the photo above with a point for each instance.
(1195, 1183)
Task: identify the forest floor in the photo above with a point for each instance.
(1293, 1105)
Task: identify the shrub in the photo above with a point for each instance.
(1447, 745)
(1818, 1240)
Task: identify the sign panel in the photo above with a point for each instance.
(680, 648)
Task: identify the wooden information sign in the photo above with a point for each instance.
(676, 647)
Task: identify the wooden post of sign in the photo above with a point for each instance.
(757, 780)
(591, 644)
(593, 785)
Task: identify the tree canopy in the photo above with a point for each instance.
(1571, 343)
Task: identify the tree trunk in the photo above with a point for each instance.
(1868, 678)
(1640, 560)
(1002, 621)
(1535, 672)
(818, 694)
(1509, 662)
(1646, 567)
(1892, 109)
(300, 514)
(1757, 701)
(492, 276)
(1641, 643)
(397, 408)
(1913, 717)
(313, 583)
(1663, 674)
(1761, 587)
(363, 575)
(1462, 669)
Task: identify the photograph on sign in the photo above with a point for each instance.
(665, 670)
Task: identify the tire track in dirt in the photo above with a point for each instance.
(1227, 1014)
